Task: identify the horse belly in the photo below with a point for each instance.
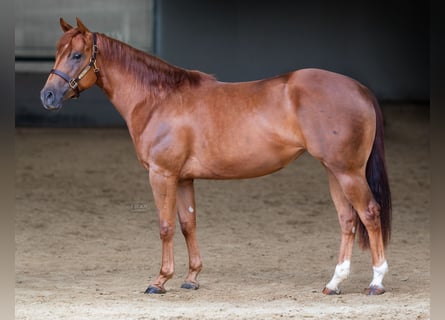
(241, 158)
(245, 130)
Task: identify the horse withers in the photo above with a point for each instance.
(186, 125)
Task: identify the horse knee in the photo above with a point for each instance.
(187, 228)
(166, 231)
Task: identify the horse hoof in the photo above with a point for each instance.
(155, 290)
(374, 291)
(190, 286)
(331, 292)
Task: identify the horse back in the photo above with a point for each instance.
(248, 129)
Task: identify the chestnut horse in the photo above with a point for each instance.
(186, 125)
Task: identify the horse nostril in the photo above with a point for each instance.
(49, 95)
(48, 98)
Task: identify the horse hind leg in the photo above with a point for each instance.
(356, 189)
(347, 218)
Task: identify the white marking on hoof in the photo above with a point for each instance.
(191, 210)
(341, 273)
(379, 273)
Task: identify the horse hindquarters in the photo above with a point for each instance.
(342, 127)
(368, 194)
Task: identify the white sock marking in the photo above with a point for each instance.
(191, 209)
(341, 273)
(379, 273)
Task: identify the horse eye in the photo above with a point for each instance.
(77, 56)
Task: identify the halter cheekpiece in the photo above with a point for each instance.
(74, 82)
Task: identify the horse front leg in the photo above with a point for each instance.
(187, 218)
(164, 190)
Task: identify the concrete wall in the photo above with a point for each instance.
(383, 44)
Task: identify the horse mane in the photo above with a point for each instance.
(149, 70)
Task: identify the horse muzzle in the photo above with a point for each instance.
(50, 100)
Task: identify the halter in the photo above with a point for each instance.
(74, 82)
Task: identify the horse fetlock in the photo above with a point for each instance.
(167, 273)
(342, 270)
(193, 273)
(378, 275)
(195, 265)
(341, 273)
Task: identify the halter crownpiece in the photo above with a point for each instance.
(74, 82)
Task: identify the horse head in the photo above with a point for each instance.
(74, 63)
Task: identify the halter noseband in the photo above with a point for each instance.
(74, 82)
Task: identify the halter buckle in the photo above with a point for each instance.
(73, 84)
(96, 69)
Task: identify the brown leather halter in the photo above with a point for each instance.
(74, 82)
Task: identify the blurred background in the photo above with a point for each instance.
(383, 44)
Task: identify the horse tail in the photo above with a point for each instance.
(377, 178)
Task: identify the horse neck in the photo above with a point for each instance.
(130, 77)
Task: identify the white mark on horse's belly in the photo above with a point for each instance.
(191, 210)
(353, 230)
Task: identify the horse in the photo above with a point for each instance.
(187, 125)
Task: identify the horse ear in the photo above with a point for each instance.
(65, 25)
(81, 26)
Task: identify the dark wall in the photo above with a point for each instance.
(383, 44)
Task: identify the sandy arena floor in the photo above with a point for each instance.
(87, 241)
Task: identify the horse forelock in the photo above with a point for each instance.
(66, 38)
